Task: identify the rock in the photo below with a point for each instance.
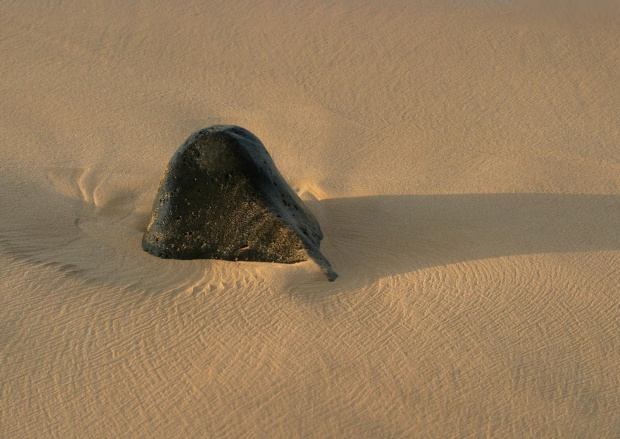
(221, 197)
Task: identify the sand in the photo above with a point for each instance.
(462, 157)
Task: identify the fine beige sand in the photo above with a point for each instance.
(462, 157)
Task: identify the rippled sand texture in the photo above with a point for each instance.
(462, 157)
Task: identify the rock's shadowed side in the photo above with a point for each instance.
(221, 197)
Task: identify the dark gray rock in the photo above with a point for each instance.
(221, 197)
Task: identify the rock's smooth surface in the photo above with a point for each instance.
(221, 197)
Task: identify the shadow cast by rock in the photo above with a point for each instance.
(377, 236)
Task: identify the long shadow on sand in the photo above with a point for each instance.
(377, 236)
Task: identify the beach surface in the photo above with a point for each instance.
(462, 158)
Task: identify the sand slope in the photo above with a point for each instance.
(463, 159)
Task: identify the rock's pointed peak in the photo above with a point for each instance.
(222, 197)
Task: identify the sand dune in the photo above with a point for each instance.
(462, 159)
